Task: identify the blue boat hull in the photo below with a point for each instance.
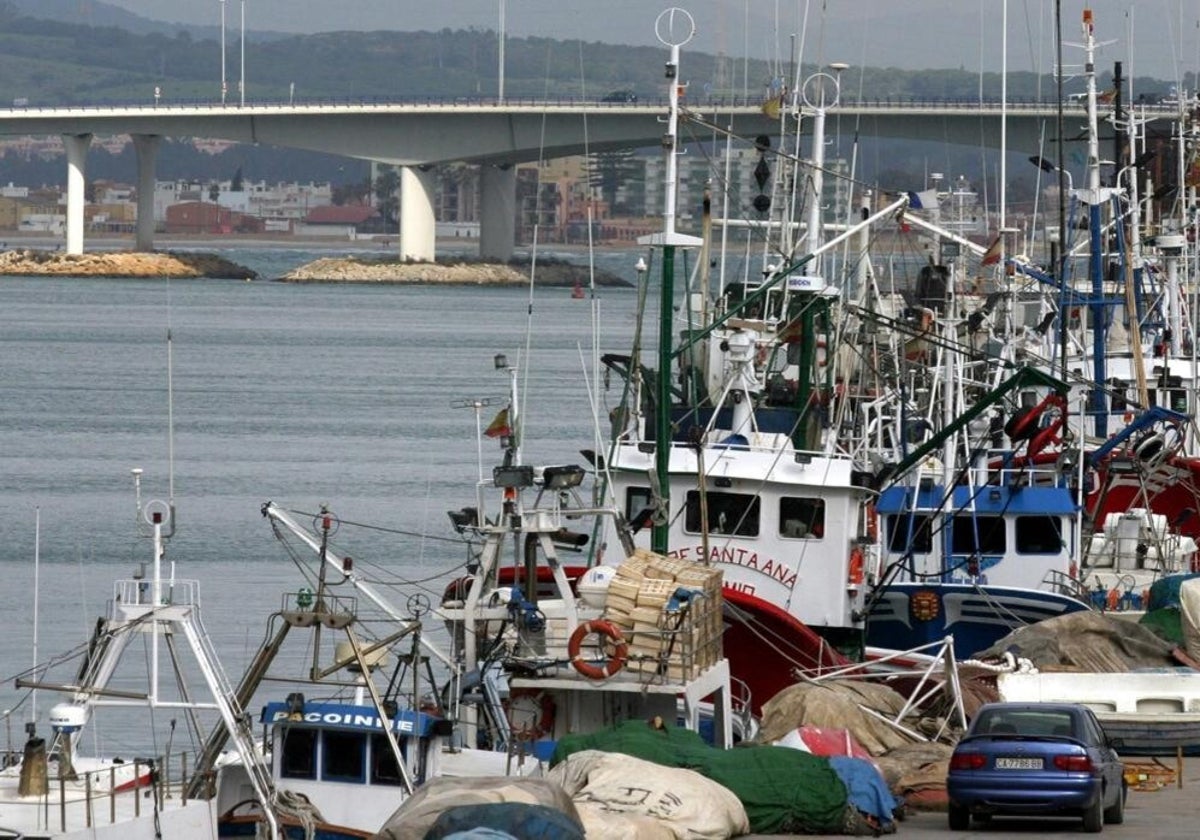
(909, 615)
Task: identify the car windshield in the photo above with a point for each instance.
(1026, 722)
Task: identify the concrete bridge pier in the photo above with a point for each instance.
(146, 147)
(497, 212)
(77, 149)
(418, 232)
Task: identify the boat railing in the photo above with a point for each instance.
(1063, 583)
(769, 443)
(742, 706)
(1040, 474)
(172, 592)
(87, 800)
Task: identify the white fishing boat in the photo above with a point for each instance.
(52, 788)
(1151, 712)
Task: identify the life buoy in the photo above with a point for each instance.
(615, 662)
(533, 709)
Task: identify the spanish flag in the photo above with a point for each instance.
(773, 107)
(992, 255)
(499, 426)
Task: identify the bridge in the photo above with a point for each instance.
(495, 135)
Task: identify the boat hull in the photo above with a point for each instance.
(1151, 712)
(910, 615)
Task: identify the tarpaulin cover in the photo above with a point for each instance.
(866, 788)
(820, 740)
(1164, 592)
(783, 791)
(517, 819)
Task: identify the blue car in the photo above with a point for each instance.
(1036, 759)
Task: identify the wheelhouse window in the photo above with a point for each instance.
(1039, 534)
(343, 757)
(978, 535)
(1175, 396)
(802, 518)
(909, 533)
(1120, 401)
(384, 770)
(637, 503)
(734, 514)
(299, 759)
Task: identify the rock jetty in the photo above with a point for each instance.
(121, 264)
(548, 272)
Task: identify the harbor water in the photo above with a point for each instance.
(357, 397)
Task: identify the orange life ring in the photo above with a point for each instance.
(615, 662)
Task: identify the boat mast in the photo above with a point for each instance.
(674, 28)
(1095, 196)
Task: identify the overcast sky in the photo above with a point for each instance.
(913, 34)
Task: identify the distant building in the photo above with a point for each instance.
(336, 222)
(198, 217)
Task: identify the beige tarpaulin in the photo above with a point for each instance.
(1085, 641)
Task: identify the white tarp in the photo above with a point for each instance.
(621, 797)
(1189, 616)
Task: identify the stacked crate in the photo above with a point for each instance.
(671, 645)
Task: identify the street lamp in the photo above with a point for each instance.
(500, 88)
(224, 84)
(1049, 166)
(242, 82)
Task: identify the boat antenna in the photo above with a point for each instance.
(37, 547)
(170, 426)
(674, 27)
(1061, 268)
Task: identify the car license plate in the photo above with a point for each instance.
(1018, 764)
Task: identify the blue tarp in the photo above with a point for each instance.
(865, 788)
(501, 820)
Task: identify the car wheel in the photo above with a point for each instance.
(1116, 814)
(1093, 817)
(960, 817)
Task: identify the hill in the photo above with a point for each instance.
(109, 55)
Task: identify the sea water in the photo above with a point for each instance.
(354, 397)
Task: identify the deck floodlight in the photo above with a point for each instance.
(561, 478)
(467, 517)
(516, 476)
(1043, 164)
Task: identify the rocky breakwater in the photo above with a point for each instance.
(461, 272)
(36, 263)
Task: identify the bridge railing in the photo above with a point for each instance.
(695, 101)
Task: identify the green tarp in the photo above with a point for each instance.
(784, 791)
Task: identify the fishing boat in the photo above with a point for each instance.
(53, 789)
(340, 752)
(1150, 711)
(1123, 329)
(534, 652)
